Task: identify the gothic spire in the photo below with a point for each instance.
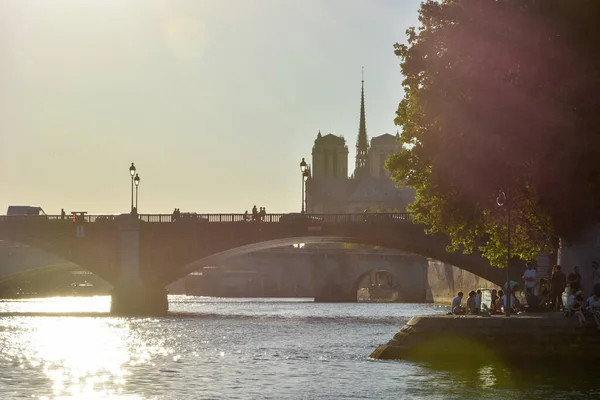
(362, 143)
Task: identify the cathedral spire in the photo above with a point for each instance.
(362, 143)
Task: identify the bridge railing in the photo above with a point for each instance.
(60, 218)
(279, 218)
(313, 219)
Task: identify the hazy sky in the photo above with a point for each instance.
(216, 101)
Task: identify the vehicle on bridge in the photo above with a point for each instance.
(25, 211)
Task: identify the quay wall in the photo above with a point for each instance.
(444, 281)
(582, 253)
(469, 338)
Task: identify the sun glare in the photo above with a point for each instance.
(58, 305)
(82, 357)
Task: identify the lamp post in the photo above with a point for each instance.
(136, 180)
(303, 172)
(305, 176)
(504, 198)
(132, 173)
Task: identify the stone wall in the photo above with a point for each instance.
(548, 337)
(340, 268)
(444, 281)
(582, 253)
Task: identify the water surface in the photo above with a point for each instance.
(211, 348)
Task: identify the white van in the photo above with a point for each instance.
(25, 211)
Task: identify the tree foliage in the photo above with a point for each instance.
(502, 94)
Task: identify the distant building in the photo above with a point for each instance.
(331, 190)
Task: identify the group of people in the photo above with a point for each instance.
(551, 290)
(257, 215)
(584, 310)
(547, 294)
(474, 305)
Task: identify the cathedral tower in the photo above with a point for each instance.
(330, 157)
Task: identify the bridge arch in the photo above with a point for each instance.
(377, 284)
(472, 263)
(52, 280)
(35, 271)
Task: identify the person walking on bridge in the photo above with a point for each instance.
(262, 213)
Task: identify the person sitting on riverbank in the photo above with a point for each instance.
(593, 308)
(493, 301)
(457, 308)
(544, 300)
(471, 304)
(575, 307)
(515, 305)
(571, 299)
(499, 305)
(513, 302)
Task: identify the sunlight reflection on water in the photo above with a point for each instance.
(96, 304)
(83, 357)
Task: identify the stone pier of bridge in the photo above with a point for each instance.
(131, 294)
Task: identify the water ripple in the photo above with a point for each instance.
(238, 349)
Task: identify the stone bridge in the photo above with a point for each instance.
(140, 254)
(336, 273)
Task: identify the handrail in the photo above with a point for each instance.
(312, 219)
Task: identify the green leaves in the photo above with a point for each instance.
(502, 94)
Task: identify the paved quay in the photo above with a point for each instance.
(510, 339)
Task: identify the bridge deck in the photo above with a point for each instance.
(225, 218)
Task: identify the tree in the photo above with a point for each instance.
(502, 94)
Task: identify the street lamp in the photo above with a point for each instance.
(305, 176)
(136, 180)
(132, 173)
(502, 199)
(303, 172)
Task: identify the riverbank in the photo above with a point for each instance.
(548, 336)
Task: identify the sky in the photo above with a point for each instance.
(216, 101)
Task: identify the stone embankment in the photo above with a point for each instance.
(506, 339)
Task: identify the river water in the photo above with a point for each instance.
(207, 348)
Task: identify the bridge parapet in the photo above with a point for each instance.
(226, 218)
